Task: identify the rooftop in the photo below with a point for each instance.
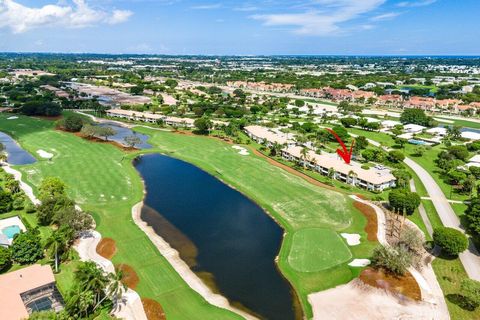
(15, 283)
(330, 160)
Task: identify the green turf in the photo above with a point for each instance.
(102, 179)
(94, 169)
(317, 249)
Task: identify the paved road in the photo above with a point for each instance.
(470, 258)
(421, 210)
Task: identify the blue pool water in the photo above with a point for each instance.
(11, 231)
(417, 142)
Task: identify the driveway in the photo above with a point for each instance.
(471, 257)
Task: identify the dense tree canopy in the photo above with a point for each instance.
(450, 240)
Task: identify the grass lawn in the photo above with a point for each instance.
(426, 160)
(317, 249)
(103, 181)
(293, 202)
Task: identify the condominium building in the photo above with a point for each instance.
(374, 179)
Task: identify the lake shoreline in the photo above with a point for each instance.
(181, 267)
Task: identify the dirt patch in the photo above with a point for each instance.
(295, 172)
(129, 276)
(106, 248)
(372, 224)
(404, 286)
(153, 309)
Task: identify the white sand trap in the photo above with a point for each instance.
(356, 301)
(12, 118)
(45, 154)
(102, 196)
(359, 263)
(241, 150)
(353, 239)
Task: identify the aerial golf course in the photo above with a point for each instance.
(102, 179)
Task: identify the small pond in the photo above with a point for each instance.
(122, 132)
(15, 154)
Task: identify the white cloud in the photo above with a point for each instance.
(419, 3)
(207, 6)
(246, 8)
(385, 16)
(119, 16)
(326, 17)
(78, 14)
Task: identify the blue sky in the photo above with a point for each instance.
(376, 27)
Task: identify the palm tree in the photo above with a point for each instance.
(351, 175)
(331, 173)
(56, 242)
(304, 156)
(92, 278)
(115, 288)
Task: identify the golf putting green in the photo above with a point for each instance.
(317, 249)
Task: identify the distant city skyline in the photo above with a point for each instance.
(265, 27)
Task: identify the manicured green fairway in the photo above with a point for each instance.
(102, 179)
(317, 249)
(293, 202)
(95, 169)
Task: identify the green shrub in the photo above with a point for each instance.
(5, 258)
(394, 260)
(450, 240)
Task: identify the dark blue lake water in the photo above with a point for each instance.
(15, 154)
(226, 234)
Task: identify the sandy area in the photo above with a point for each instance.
(241, 150)
(182, 268)
(130, 305)
(25, 187)
(353, 239)
(12, 118)
(359, 263)
(357, 301)
(44, 154)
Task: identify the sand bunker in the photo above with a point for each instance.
(12, 118)
(353, 239)
(241, 150)
(359, 263)
(45, 154)
(357, 301)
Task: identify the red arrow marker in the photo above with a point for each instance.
(345, 154)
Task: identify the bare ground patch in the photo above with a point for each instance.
(129, 276)
(372, 224)
(106, 248)
(153, 309)
(403, 286)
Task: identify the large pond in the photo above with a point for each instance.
(15, 154)
(122, 132)
(226, 238)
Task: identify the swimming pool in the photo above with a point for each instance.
(417, 142)
(11, 231)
